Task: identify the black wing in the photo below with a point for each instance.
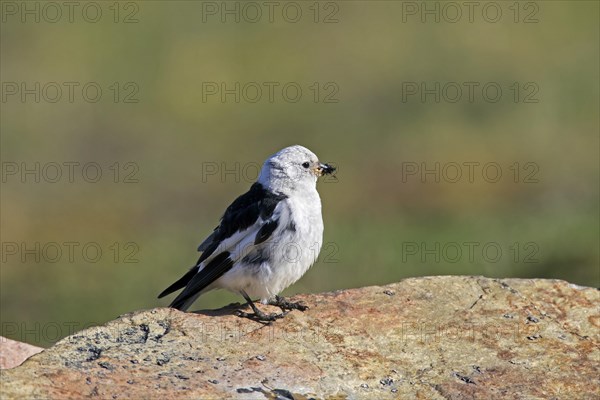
(181, 282)
(241, 214)
(213, 270)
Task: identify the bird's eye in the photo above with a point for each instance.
(306, 164)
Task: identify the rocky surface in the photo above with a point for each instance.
(13, 353)
(423, 338)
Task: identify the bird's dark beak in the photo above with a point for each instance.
(325, 169)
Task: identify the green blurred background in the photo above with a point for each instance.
(379, 225)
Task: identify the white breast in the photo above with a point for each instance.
(298, 249)
(293, 247)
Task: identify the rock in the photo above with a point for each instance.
(423, 338)
(13, 353)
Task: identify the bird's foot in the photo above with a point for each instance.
(287, 305)
(260, 316)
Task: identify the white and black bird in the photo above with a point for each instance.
(267, 238)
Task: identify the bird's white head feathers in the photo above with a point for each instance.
(292, 168)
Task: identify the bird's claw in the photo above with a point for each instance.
(260, 316)
(287, 305)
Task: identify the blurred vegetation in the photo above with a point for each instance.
(372, 215)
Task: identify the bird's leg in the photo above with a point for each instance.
(287, 305)
(258, 315)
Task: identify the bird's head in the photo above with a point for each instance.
(293, 167)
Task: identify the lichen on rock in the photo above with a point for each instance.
(431, 338)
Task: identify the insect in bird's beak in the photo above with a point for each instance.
(324, 169)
